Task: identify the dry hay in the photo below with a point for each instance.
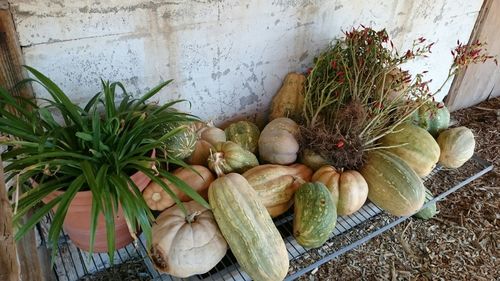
(460, 243)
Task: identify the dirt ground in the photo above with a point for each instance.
(460, 243)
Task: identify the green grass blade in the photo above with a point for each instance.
(153, 91)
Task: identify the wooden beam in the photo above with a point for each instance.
(480, 81)
(8, 257)
(28, 256)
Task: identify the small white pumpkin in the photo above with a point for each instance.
(185, 246)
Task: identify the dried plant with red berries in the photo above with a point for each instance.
(357, 92)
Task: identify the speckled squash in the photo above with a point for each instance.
(415, 146)
(392, 184)
(457, 146)
(433, 117)
(278, 141)
(230, 157)
(349, 189)
(182, 245)
(276, 184)
(315, 215)
(199, 179)
(244, 133)
(289, 100)
(428, 212)
(248, 228)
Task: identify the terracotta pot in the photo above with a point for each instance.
(77, 221)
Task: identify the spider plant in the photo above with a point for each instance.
(65, 147)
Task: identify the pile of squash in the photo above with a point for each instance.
(251, 176)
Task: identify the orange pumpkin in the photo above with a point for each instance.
(159, 199)
(349, 189)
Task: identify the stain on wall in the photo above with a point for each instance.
(228, 58)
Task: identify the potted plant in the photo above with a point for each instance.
(102, 154)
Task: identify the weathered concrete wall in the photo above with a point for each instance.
(227, 57)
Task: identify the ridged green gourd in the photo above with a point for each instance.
(392, 184)
(415, 146)
(244, 133)
(248, 228)
(457, 146)
(230, 157)
(428, 212)
(315, 215)
(433, 117)
(182, 144)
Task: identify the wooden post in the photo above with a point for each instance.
(11, 57)
(8, 257)
(23, 263)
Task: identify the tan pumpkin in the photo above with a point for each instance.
(457, 146)
(276, 184)
(158, 199)
(208, 136)
(186, 245)
(349, 189)
(289, 100)
(278, 141)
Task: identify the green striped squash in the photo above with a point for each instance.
(248, 228)
(244, 133)
(315, 215)
(392, 184)
(428, 212)
(415, 146)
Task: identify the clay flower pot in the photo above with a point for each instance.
(77, 220)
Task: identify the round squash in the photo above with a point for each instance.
(207, 136)
(349, 189)
(433, 117)
(244, 133)
(230, 157)
(312, 159)
(428, 212)
(199, 180)
(392, 184)
(315, 215)
(278, 141)
(212, 134)
(289, 100)
(415, 146)
(457, 146)
(276, 184)
(182, 144)
(249, 230)
(186, 245)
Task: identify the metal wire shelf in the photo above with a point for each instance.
(350, 232)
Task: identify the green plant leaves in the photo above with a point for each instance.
(66, 147)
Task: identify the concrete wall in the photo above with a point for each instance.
(227, 57)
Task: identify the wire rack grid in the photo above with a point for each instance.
(133, 263)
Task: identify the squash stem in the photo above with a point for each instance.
(192, 217)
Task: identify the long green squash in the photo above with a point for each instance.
(392, 184)
(315, 215)
(415, 146)
(248, 228)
